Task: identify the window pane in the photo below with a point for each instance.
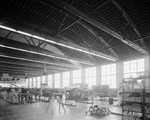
(65, 79)
(38, 82)
(90, 76)
(50, 81)
(108, 77)
(103, 70)
(103, 80)
(34, 82)
(76, 76)
(126, 68)
(140, 65)
(113, 81)
(30, 82)
(133, 68)
(57, 80)
(27, 83)
(44, 79)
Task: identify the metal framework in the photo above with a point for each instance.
(82, 16)
(98, 37)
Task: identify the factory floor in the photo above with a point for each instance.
(37, 111)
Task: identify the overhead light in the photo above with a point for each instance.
(50, 41)
(61, 44)
(7, 28)
(37, 37)
(70, 47)
(24, 33)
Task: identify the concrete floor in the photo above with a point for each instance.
(37, 111)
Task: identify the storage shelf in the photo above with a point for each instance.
(147, 113)
(132, 102)
(142, 104)
(134, 116)
(132, 111)
(132, 92)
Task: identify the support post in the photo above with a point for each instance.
(147, 71)
(119, 73)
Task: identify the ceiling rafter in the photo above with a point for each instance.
(123, 43)
(40, 44)
(20, 73)
(95, 53)
(32, 41)
(43, 53)
(62, 43)
(28, 71)
(31, 66)
(128, 19)
(37, 61)
(97, 24)
(28, 41)
(20, 68)
(66, 27)
(98, 37)
(8, 34)
(65, 38)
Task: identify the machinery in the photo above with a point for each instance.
(96, 110)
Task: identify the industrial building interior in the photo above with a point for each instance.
(74, 59)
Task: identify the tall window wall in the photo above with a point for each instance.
(134, 68)
(65, 79)
(30, 83)
(50, 83)
(38, 82)
(76, 76)
(44, 79)
(57, 80)
(108, 75)
(90, 76)
(34, 82)
(27, 83)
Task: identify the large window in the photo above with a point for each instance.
(65, 79)
(44, 79)
(90, 76)
(30, 83)
(108, 75)
(50, 78)
(34, 82)
(57, 80)
(133, 68)
(76, 76)
(27, 83)
(38, 82)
